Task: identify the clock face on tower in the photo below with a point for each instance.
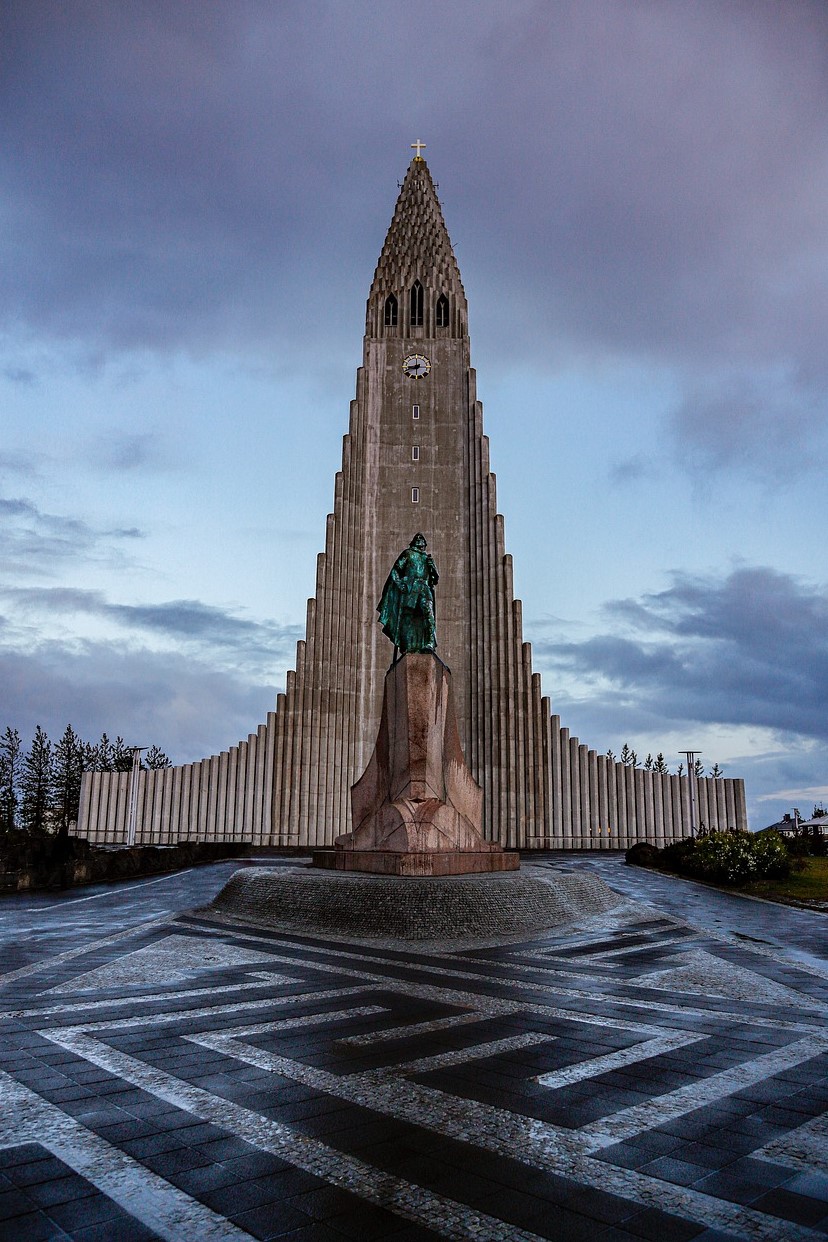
(416, 366)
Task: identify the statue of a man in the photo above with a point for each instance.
(406, 610)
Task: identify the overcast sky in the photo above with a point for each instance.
(192, 201)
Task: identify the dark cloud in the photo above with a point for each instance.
(35, 543)
(18, 464)
(633, 469)
(19, 375)
(188, 708)
(750, 649)
(131, 452)
(628, 177)
(257, 646)
(760, 426)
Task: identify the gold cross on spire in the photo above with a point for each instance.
(418, 147)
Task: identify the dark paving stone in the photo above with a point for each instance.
(14, 1203)
(272, 1220)
(363, 1220)
(34, 1227)
(789, 1206)
(661, 1226)
(83, 1213)
(126, 1230)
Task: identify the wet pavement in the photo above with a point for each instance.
(658, 1071)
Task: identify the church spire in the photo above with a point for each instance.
(417, 251)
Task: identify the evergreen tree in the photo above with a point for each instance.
(104, 755)
(610, 757)
(698, 768)
(625, 755)
(716, 771)
(68, 763)
(648, 764)
(121, 755)
(36, 783)
(659, 765)
(155, 758)
(680, 770)
(10, 762)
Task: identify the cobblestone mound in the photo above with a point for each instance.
(446, 908)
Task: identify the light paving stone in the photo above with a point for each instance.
(705, 974)
(171, 960)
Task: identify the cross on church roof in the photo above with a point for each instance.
(418, 147)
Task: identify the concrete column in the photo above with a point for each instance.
(221, 797)
(666, 806)
(566, 785)
(597, 829)
(259, 779)
(741, 807)
(157, 805)
(609, 830)
(586, 805)
(730, 804)
(575, 792)
(621, 802)
(643, 827)
(111, 790)
(175, 807)
(653, 780)
(633, 822)
(250, 785)
(231, 807)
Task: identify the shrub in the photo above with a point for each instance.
(643, 854)
(735, 857)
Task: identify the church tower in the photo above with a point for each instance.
(415, 459)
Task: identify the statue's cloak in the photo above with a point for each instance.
(391, 602)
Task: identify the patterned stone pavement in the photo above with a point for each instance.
(168, 1074)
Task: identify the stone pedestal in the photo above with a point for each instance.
(416, 809)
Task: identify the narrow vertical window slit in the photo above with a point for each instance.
(416, 305)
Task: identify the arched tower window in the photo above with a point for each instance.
(416, 305)
(442, 312)
(390, 311)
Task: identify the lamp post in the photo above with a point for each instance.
(134, 777)
(691, 756)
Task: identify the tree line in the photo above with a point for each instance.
(630, 760)
(40, 787)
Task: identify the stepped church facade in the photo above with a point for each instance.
(415, 459)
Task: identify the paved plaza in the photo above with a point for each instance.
(656, 1071)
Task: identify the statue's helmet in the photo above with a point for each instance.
(418, 540)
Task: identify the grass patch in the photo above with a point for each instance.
(808, 885)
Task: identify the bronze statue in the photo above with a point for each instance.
(406, 610)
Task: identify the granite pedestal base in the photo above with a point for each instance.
(417, 810)
(422, 863)
(440, 910)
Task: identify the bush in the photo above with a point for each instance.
(733, 857)
(643, 854)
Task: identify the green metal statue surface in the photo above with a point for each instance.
(406, 610)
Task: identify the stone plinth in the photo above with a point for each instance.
(445, 913)
(417, 809)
